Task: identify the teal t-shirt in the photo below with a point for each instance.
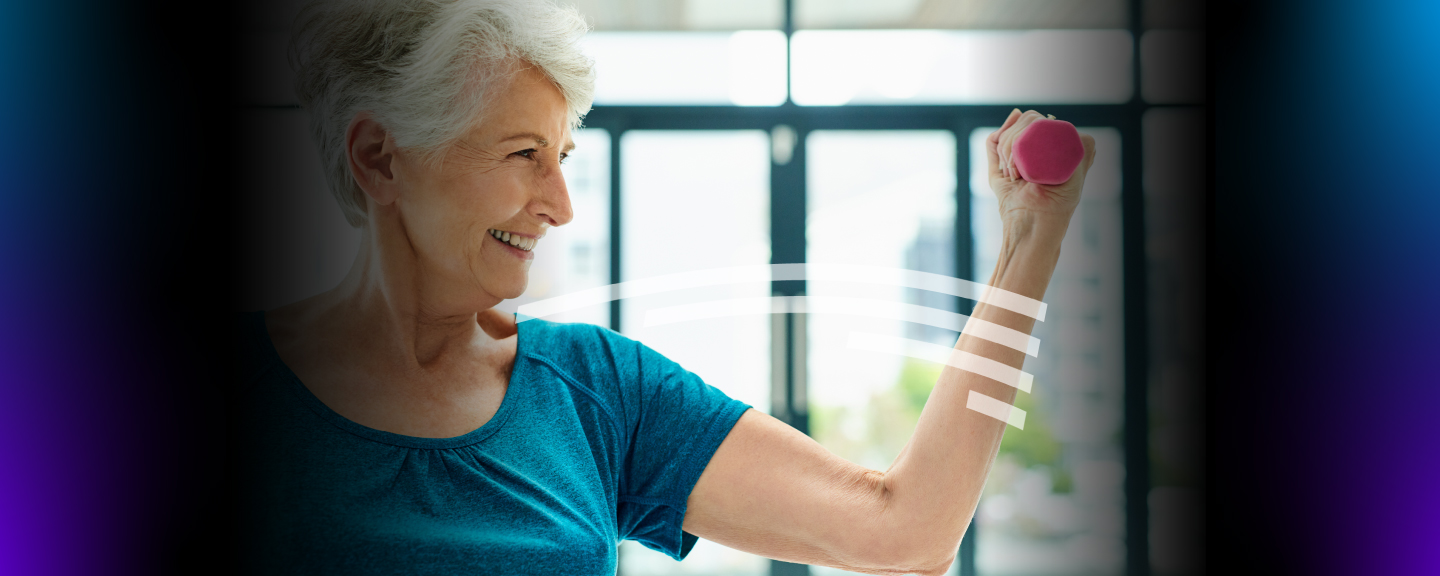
(599, 438)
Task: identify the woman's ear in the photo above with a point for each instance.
(371, 151)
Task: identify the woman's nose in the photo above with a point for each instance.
(553, 204)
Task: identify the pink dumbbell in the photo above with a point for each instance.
(1048, 151)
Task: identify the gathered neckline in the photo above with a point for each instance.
(495, 423)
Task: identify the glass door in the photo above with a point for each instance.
(693, 201)
(882, 199)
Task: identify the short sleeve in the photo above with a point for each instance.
(675, 422)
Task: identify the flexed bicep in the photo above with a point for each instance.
(773, 491)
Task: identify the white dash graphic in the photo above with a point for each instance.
(996, 409)
(921, 350)
(1002, 335)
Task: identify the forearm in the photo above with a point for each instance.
(934, 485)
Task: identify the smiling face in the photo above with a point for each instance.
(500, 181)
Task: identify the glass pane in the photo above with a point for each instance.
(959, 14)
(745, 68)
(834, 67)
(576, 256)
(697, 201)
(684, 15)
(1172, 66)
(1174, 14)
(1175, 255)
(1054, 502)
(883, 199)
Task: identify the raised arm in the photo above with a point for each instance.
(773, 491)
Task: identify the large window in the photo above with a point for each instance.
(696, 200)
(834, 67)
(745, 67)
(879, 188)
(869, 206)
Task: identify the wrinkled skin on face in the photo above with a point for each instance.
(503, 174)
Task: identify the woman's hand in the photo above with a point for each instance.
(1019, 198)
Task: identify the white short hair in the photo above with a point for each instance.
(426, 70)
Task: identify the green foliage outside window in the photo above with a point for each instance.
(875, 437)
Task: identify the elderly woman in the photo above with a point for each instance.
(398, 423)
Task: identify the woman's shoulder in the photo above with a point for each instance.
(588, 350)
(585, 351)
(547, 337)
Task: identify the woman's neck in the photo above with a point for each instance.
(390, 300)
(382, 350)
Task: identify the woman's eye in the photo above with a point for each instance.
(563, 156)
(526, 153)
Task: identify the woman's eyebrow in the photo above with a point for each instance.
(539, 140)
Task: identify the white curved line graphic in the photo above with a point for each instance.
(961, 359)
(772, 272)
(842, 305)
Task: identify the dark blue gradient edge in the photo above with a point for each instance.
(112, 431)
(1325, 382)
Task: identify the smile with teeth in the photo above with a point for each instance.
(516, 240)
